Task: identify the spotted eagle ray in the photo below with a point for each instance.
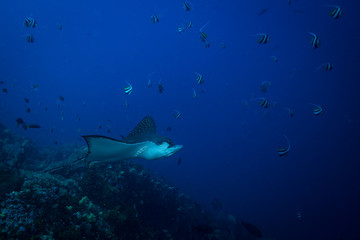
(142, 142)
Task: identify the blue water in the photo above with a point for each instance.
(230, 142)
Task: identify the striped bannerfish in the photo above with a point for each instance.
(154, 19)
(199, 78)
(326, 67)
(186, 6)
(263, 38)
(315, 41)
(177, 114)
(206, 44)
(181, 29)
(129, 89)
(30, 22)
(284, 151)
(203, 36)
(337, 12)
(264, 103)
(317, 110)
(30, 38)
(160, 87)
(189, 25)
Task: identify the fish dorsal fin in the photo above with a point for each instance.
(145, 127)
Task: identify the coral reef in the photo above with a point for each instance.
(118, 201)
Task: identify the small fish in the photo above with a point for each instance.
(206, 44)
(35, 87)
(168, 128)
(33, 126)
(264, 86)
(336, 12)
(222, 45)
(52, 130)
(263, 38)
(19, 121)
(129, 89)
(181, 29)
(2, 82)
(61, 98)
(126, 104)
(189, 25)
(149, 84)
(326, 67)
(317, 110)
(199, 78)
(194, 94)
(177, 114)
(186, 6)
(45, 108)
(28, 110)
(26, 100)
(30, 22)
(262, 12)
(154, 19)
(275, 59)
(108, 131)
(203, 35)
(291, 113)
(179, 161)
(284, 151)
(4, 90)
(30, 38)
(264, 103)
(315, 41)
(60, 27)
(160, 87)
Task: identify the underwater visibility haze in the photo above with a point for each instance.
(180, 119)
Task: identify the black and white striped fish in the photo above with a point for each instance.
(30, 22)
(315, 41)
(336, 12)
(186, 6)
(264, 103)
(199, 78)
(284, 151)
(154, 18)
(318, 110)
(263, 38)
